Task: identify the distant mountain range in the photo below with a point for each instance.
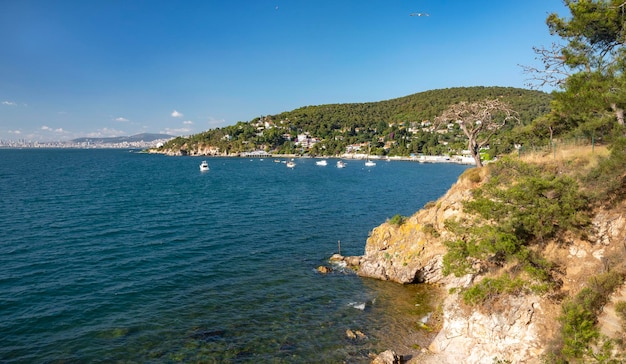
(144, 137)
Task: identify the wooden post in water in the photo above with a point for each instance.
(339, 246)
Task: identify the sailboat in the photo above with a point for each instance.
(368, 162)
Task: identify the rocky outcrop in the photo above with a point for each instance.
(412, 251)
(515, 328)
(510, 335)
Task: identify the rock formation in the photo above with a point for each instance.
(412, 252)
(519, 329)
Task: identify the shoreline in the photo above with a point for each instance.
(456, 159)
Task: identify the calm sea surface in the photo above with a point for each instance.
(113, 256)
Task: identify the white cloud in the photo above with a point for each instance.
(57, 130)
(188, 122)
(17, 132)
(9, 103)
(106, 132)
(177, 114)
(121, 119)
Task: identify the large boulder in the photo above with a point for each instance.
(412, 252)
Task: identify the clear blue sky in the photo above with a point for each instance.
(121, 67)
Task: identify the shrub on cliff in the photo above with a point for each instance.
(513, 213)
(607, 182)
(397, 220)
(579, 316)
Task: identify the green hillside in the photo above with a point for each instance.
(400, 126)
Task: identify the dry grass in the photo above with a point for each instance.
(569, 159)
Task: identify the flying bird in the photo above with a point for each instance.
(419, 14)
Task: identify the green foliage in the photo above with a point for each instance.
(397, 220)
(579, 315)
(578, 329)
(384, 124)
(430, 230)
(514, 211)
(490, 288)
(456, 259)
(607, 182)
(536, 206)
(591, 60)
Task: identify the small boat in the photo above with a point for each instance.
(291, 164)
(368, 162)
(322, 162)
(341, 164)
(204, 166)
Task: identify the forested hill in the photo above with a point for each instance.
(393, 127)
(417, 107)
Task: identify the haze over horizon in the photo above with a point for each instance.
(73, 69)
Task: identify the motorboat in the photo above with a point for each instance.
(341, 164)
(291, 164)
(204, 166)
(322, 162)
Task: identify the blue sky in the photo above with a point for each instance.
(121, 67)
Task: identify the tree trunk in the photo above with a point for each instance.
(473, 147)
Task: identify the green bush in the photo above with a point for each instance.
(456, 259)
(535, 207)
(489, 288)
(517, 209)
(430, 230)
(397, 220)
(607, 180)
(579, 316)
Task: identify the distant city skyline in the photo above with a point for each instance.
(72, 68)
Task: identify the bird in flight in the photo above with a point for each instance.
(419, 14)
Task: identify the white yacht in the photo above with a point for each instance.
(204, 166)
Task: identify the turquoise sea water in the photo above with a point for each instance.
(113, 256)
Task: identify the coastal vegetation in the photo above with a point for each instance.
(523, 208)
(398, 127)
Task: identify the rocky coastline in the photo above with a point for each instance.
(515, 331)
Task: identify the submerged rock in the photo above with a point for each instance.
(355, 334)
(387, 357)
(324, 270)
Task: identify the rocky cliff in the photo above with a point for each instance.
(518, 328)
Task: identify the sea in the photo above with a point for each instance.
(117, 256)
